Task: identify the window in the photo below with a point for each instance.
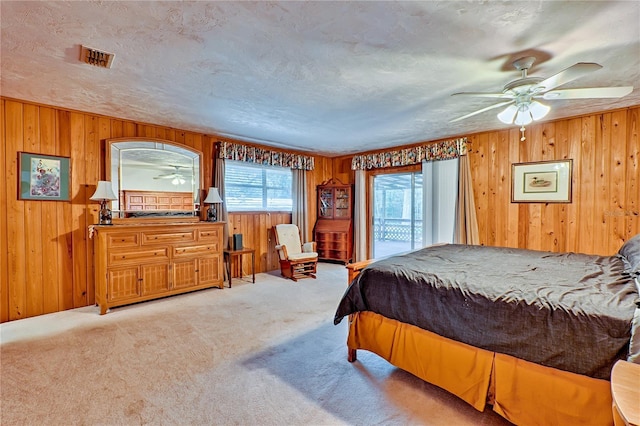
(251, 186)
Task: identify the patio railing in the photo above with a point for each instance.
(396, 230)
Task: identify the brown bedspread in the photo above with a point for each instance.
(563, 310)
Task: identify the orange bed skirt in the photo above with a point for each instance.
(520, 391)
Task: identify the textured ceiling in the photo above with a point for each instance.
(326, 77)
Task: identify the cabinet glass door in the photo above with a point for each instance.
(326, 203)
(342, 203)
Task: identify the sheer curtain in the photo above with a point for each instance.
(466, 219)
(223, 215)
(359, 217)
(440, 194)
(298, 214)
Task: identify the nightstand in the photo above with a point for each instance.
(625, 390)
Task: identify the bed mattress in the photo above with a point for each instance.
(562, 310)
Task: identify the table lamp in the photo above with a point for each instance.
(104, 192)
(213, 197)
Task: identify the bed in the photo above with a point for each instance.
(534, 334)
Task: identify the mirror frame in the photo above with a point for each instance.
(155, 219)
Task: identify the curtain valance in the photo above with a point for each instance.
(251, 154)
(414, 155)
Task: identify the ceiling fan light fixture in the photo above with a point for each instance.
(538, 110)
(523, 117)
(508, 114)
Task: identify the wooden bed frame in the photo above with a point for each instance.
(156, 200)
(520, 391)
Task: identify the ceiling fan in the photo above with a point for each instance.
(521, 96)
(178, 178)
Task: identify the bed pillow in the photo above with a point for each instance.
(630, 250)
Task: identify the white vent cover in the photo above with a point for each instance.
(96, 57)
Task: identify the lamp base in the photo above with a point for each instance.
(211, 214)
(105, 215)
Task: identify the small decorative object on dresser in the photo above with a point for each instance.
(213, 198)
(333, 232)
(104, 193)
(134, 263)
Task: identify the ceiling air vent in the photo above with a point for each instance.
(96, 57)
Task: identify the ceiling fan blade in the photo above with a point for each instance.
(567, 75)
(485, 95)
(589, 92)
(498, 105)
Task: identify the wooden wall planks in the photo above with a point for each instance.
(604, 212)
(46, 257)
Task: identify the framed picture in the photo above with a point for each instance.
(541, 182)
(43, 177)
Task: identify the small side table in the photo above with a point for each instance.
(625, 390)
(230, 255)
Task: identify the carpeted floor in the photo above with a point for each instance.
(256, 354)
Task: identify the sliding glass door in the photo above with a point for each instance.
(414, 209)
(397, 213)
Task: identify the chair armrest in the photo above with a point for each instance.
(309, 247)
(282, 251)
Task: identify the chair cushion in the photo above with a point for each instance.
(289, 236)
(304, 256)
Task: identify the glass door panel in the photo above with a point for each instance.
(342, 203)
(397, 213)
(326, 203)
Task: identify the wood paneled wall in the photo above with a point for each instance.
(46, 258)
(605, 209)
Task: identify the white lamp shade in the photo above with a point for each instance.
(538, 110)
(212, 196)
(508, 114)
(523, 117)
(104, 191)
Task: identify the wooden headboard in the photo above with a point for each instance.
(156, 200)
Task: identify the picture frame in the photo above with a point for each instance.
(541, 182)
(43, 177)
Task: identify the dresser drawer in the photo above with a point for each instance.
(193, 250)
(163, 237)
(129, 239)
(118, 257)
(208, 234)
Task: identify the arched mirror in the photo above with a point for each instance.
(153, 177)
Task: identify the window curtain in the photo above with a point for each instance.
(223, 215)
(466, 230)
(300, 198)
(440, 195)
(360, 217)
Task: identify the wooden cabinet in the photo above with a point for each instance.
(134, 263)
(333, 232)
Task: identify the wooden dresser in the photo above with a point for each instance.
(134, 263)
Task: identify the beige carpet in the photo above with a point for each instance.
(256, 354)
